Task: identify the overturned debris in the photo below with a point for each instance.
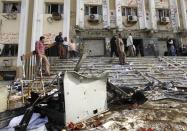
(159, 79)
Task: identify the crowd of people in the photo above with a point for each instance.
(118, 47)
(68, 49)
(65, 49)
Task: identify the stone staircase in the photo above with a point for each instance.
(137, 73)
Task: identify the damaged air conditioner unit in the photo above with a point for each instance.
(164, 20)
(85, 97)
(56, 16)
(94, 18)
(132, 19)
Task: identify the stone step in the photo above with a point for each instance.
(123, 75)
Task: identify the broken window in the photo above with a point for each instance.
(162, 13)
(54, 8)
(11, 7)
(8, 50)
(93, 9)
(129, 11)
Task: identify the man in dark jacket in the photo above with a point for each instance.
(171, 47)
(113, 46)
(59, 41)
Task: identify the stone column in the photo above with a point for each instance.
(118, 4)
(23, 30)
(77, 12)
(80, 13)
(37, 25)
(66, 23)
(184, 14)
(142, 14)
(175, 21)
(106, 13)
(152, 10)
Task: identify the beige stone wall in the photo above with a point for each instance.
(166, 27)
(54, 1)
(11, 0)
(112, 4)
(12, 61)
(51, 29)
(92, 2)
(130, 26)
(129, 3)
(73, 20)
(163, 4)
(3, 98)
(89, 25)
(126, 24)
(9, 28)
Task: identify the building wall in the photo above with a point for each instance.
(93, 2)
(54, 1)
(89, 25)
(51, 29)
(126, 24)
(73, 20)
(9, 28)
(163, 5)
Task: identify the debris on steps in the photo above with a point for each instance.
(142, 92)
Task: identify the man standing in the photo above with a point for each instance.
(120, 49)
(65, 48)
(59, 41)
(113, 46)
(130, 45)
(40, 51)
(172, 49)
(72, 49)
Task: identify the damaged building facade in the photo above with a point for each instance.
(92, 22)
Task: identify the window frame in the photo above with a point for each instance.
(89, 9)
(9, 50)
(133, 11)
(49, 5)
(18, 5)
(165, 12)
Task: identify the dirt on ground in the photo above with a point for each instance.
(163, 115)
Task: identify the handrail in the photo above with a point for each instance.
(30, 64)
(29, 54)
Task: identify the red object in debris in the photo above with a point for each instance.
(71, 125)
(150, 129)
(144, 129)
(78, 126)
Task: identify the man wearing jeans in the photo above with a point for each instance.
(40, 51)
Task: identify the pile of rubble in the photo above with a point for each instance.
(147, 94)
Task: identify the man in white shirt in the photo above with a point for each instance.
(130, 45)
(65, 48)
